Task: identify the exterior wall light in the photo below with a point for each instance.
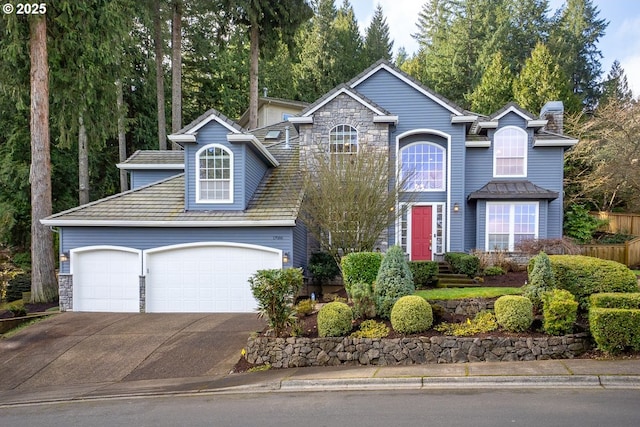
(285, 258)
(456, 207)
(64, 256)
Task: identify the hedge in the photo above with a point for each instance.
(615, 329)
(360, 267)
(462, 263)
(583, 276)
(616, 300)
(424, 273)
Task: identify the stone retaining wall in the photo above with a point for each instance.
(295, 352)
(469, 307)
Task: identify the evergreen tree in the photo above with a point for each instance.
(377, 43)
(541, 80)
(495, 88)
(519, 26)
(268, 22)
(615, 86)
(317, 53)
(453, 35)
(574, 37)
(349, 57)
(43, 279)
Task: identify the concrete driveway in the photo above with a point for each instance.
(75, 349)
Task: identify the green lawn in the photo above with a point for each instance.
(472, 292)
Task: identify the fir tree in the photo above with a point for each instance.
(377, 44)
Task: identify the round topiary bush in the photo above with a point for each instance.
(514, 312)
(334, 320)
(411, 314)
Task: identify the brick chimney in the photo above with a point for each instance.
(553, 112)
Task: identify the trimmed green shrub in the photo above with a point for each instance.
(371, 329)
(514, 312)
(364, 304)
(411, 314)
(17, 309)
(305, 307)
(541, 280)
(360, 267)
(462, 263)
(484, 321)
(424, 273)
(616, 300)
(275, 292)
(322, 267)
(334, 320)
(560, 310)
(394, 281)
(493, 271)
(16, 286)
(615, 329)
(583, 276)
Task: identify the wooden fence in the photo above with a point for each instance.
(620, 222)
(627, 253)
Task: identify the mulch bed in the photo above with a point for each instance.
(31, 308)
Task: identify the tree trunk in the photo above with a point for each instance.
(158, 42)
(83, 163)
(122, 139)
(253, 77)
(43, 279)
(176, 70)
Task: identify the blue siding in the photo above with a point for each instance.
(300, 255)
(417, 111)
(254, 170)
(214, 133)
(544, 168)
(140, 178)
(147, 238)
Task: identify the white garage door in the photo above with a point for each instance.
(204, 277)
(106, 278)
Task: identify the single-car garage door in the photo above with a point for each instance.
(106, 278)
(204, 277)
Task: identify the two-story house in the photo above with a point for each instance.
(198, 222)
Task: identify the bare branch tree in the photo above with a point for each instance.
(604, 168)
(349, 199)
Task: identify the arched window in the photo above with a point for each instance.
(215, 174)
(510, 152)
(343, 139)
(423, 167)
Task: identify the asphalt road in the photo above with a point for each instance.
(478, 408)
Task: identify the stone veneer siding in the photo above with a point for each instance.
(65, 292)
(298, 352)
(143, 293)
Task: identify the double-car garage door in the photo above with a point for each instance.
(198, 277)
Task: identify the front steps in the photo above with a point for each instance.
(448, 279)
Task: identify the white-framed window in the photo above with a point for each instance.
(343, 139)
(214, 164)
(509, 223)
(422, 167)
(510, 152)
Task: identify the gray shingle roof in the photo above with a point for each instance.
(332, 93)
(205, 116)
(513, 190)
(154, 157)
(277, 199)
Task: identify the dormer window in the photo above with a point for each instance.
(343, 139)
(215, 172)
(510, 153)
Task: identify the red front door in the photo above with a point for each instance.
(421, 233)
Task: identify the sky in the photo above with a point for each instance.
(621, 41)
